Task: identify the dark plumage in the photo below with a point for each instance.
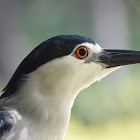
(6, 122)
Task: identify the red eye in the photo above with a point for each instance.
(81, 52)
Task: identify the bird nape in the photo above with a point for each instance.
(36, 103)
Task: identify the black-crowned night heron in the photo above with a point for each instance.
(36, 104)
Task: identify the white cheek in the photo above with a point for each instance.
(105, 72)
(67, 74)
(88, 73)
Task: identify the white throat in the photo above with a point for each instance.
(49, 93)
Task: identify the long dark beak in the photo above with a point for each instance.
(113, 58)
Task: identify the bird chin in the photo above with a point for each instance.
(97, 77)
(103, 73)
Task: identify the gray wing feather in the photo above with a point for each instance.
(6, 122)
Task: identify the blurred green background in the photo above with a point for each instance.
(108, 110)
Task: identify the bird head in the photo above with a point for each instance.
(65, 65)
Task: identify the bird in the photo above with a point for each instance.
(36, 103)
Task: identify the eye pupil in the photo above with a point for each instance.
(82, 51)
